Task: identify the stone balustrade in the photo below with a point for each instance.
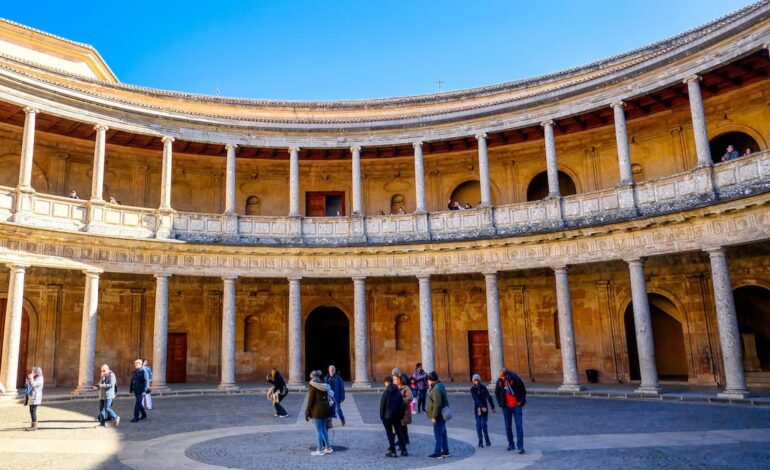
(703, 185)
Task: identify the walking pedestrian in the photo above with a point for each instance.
(337, 386)
(392, 410)
(406, 394)
(422, 386)
(437, 401)
(277, 392)
(140, 383)
(33, 395)
(481, 398)
(108, 388)
(511, 395)
(147, 396)
(319, 410)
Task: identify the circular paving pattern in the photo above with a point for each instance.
(289, 450)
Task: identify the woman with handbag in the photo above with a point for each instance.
(319, 410)
(406, 393)
(33, 396)
(481, 398)
(277, 392)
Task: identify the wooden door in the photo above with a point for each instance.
(21, 372)
(478, 351)
(315, 204)
(176, 360)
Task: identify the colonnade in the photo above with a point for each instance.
(723, 294)
(624, 161)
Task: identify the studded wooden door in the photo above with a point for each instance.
(478, 352)
(176, 358)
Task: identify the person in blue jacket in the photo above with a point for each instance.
(338, 387)
(481, 398)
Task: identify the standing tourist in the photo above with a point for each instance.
(481, 397)
(422, 386)
(147, 396)
(337, 386)
(319, 410)
(392, 410)
(277, 392)
(437, 401)
(413, 389)
(33, 396)
(511, 395)
(406, 394)
(108, 387)
(730, 154)
(140, 383)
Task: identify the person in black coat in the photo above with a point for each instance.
(277, 392)
(482, 402)
(140, 384)
(392, 410)
(511, 395)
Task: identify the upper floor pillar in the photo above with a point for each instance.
(294, 182)
(97, 176)
(358, 202)
(552, 169)
(621, 138)
(27, 149)
(419, 178)
(165, 176)
(700, 132)
(484, 183)
(230, 179)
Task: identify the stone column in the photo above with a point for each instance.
(27, 150)
(88, 334)
(486, 190)
(727, 322)
(165, 178)
(358, 204)
(295, 332)
(645, 344)
(97, 176)
(494, 327)
(419, 178)
(570, 381)
(361, 379)
(160, 332)
(230, 180)
(426, 324)
(551, 167)
(294, 182)
(12, 330)
(700, 132)
(621, 138)
(228, 335)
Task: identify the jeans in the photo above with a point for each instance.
(481, 427)
(138, 407)
(509, 415)
(106, 410)
(394, 429)
(280, 410)
(33, 413)
(338, 407)
(421, 394)
(441, 441)
(322, 434)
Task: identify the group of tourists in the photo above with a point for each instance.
(732, 154)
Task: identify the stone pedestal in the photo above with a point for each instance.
(230, 229)
(164, 223)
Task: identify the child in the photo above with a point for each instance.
(413, 387)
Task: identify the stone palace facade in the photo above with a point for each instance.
(605, 231)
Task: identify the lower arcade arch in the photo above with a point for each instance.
(327, 341)
(752, 306)
(668, 336)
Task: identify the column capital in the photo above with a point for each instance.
(229, 278)
(692, 78)
(16, 267)
(355, 148)
(481, 135)
(561, 269)
(716, 252)
(231, 146)
(92, 272)
(31, 110)
(547, 123)
(294, 278)
(489, 273)
(100, 127)
(618, 104)
(167, 139)
(423, 277)
(417, 144)
(635, 261)
(359, 278)
(162, 275)
(293, 149)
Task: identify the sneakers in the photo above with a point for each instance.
(481, 445)
(521, 451)
(446, 454)
(135, 420)
(404, 453)
(317, 453)
(328, 450)
(283, 416)
(510, 448)
(434, 456)
(489, 443)
(117, 421)
(276, 415)
(391, 454)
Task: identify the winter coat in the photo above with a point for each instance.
(437, 399)
(406, 394)
(337, 386)
(140, 381)
(107, 387)
(318, 400)
(515, 383)
(36, 396)
(391, 404)
(422, 379)
(481, 398)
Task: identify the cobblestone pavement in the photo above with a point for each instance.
(240, 431)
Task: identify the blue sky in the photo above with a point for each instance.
(305, 50)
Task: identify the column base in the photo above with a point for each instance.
(649, 390)
(82, 390)
(734, 394)
(228, 387)
(570, 388)
(160, 388)
(9, 396)
(361, 386)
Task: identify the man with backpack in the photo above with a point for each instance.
(511, 395)
(108, 389)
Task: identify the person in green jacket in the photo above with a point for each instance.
(437, 399)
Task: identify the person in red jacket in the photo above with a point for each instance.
(511, 395)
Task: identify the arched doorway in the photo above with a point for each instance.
(327, 341)
(752, 304)
(21, 372)
(739, 140)
(538, 187)
(668, 336)
(468, 192)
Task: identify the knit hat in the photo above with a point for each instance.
(395, 371)
(476, 377)
(316, 374)
(433, 376)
